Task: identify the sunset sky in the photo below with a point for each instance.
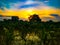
(46, 9)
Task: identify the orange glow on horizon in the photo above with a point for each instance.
(25, 13)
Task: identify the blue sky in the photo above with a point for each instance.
(50, 6)
(53, 3)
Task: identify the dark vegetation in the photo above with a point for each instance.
(47, 33)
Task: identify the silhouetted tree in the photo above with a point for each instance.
(15, 18)
(50, 21)
(34, 18)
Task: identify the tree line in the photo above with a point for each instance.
(32, 32)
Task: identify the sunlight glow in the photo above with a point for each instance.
(25, 13)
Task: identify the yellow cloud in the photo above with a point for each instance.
(25, 13)
(1, 11)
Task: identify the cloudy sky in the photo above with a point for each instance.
(46, 9)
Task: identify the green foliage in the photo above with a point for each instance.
(48, 33)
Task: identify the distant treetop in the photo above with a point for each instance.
(34, 18)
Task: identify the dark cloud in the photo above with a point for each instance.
(47, 19)
(56, 16)
(28, 6)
